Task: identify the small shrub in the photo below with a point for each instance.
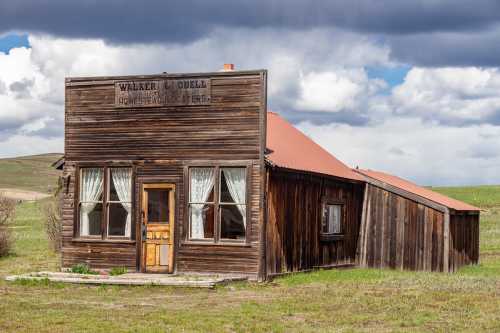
(82, 269)
(118, 271)
(53, 220)
(7, 210)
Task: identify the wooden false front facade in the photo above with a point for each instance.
(212, 120)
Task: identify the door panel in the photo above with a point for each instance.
(158, 208)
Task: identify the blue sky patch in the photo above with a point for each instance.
(11, 41)
(394, 76)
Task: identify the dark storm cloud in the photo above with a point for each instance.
(322, 118)
(449, 48)
(182, 21)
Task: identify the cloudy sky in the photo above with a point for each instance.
(406, 87)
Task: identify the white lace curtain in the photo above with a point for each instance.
(202, 183)
(122, 180)
(236, 183)
(90, 194)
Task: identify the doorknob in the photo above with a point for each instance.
(143, 231)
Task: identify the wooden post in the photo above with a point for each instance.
(361, 251)
(446, 241)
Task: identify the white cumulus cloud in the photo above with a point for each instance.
(450, 95)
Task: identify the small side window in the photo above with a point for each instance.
(332, 219)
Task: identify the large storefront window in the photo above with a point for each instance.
(105, 206)
(217, 203)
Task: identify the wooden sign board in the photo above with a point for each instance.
(168, 92)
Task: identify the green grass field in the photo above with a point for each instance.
(32, 173)
(351, 300)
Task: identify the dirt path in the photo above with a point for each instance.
(23, 195)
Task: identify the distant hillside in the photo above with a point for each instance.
(32, 173)
(485, 196)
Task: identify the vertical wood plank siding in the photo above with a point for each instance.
(400, 233)
(159, 142)
(294, 203)
(464, 240)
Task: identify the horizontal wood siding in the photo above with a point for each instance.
(159, 142)
(294, 203)
(227, 129)
(400, 233)
(464, 240)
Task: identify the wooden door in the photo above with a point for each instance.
(158, 206)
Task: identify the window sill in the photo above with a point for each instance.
(331, 237)
(100, 240)
(220, 244)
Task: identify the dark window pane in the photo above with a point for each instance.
(232, 221)
(90, 219)
(202, 221)
(225, 195)
(113, 196)
(158, 206)
(324, 224)
(211, 196)
(117, 219)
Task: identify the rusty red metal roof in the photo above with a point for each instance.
(291, 149)
(418, 190)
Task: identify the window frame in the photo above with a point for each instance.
(216, 240)
(107, 188)
(330, 236)
(79, 202)
(220, 203)
(104, 236)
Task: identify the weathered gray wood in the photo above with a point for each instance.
(446, 242)
(400, 233)
(361, 250)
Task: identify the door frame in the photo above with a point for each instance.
(172, 216)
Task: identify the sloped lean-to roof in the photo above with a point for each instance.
(291, 149)
(422, 192)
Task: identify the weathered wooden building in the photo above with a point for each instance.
(189, 173)
(314, 203)
(406, 226)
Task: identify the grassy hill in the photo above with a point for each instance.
(485, 196)
(33, 173)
